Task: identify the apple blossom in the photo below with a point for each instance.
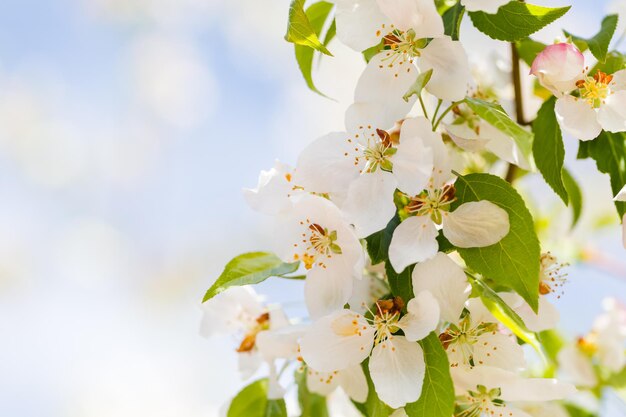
(352, 380)
(344, 339)
(271, 196)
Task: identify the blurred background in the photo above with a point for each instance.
(127, 130)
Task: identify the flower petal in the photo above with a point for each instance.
(337, 341)
(413, 162)
(487, 6)
(327, 290)
(446, 281)
(575, 367)
(422, 317)
(577, 118)
(322, 383)
(397, 368)
(558, 67)
(419, 15)
(476, 224)
(414, 240)
(369, 204)
(359, 23)
(324, 167)
(499, 350)
(612, 113)
(466, 138)
(272, 192)
(621, 196)
(354, 383)
(282, 343)
(451, 71)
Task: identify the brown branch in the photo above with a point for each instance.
(519, 102)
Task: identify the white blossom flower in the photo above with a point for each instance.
(487, 6)
(476, 340)
(345, 339)
(271, 196)
(473, 224)
(601, 98)
(488, 391)
(352, 380)
(239, 310)
(314, 232)
(404, 27)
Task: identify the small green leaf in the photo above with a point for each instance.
(299, 29)
(528, 50)
(516, 20)
(311, 405)
(495, 115)
(251, 401)
(437, 398)
(516, 256)
(317, 14)
(378, 243)
(609, 152)
(598, 44)
(452, 19)
(614, 62)
(504, 313)
(250, 268)
(418, 85)
(371, 52)
(401, 284)
(575, 196)
(548, 148)
(276, 408)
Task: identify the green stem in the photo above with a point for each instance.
(445, 112)
(423, 107)
(437, 108)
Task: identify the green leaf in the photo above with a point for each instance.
(576, 411)
(504, 313)
(528, 50)
(609, 152)
(275, 408)
(251, 401)
(311, 405)
(552, 343)
(373, 406)
(617, 379)
(250, 268)
(401, 284)
(452, 19)
(299, 29)
(575, 196)
(418, 85)
(378, 243)
(614, 62)
(514, 261)
(548, 148)
(317, 14)
(516, 20)
(437, 398)
(598, 44)
(495, 115)
(370, 52)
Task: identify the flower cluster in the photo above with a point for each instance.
(423, 276)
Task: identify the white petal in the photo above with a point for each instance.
(359, 23)
(412, 166)
(273, 189)
(446, 281)
(612, 113)
(487, 6)
(619, 80)
(476, 224)
(248, 363)
(335, 342)
(547, 318)
(466, 138)
(363, 118)
(282, 343)
(323, 166)
(422, 317)
(275, 391)
(479, 313)
(419, 15)
(354, 383)
(369, 204)
(499, 350)
(322, 383)
(234, 310)
(621, 196)
(451, 72)
(326, 291)
(503, 146)
(577, 118)
(385, 84)
(558, 67)
(575, 367)
(414, 240)
(397, 368)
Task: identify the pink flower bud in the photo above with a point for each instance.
(558, 67)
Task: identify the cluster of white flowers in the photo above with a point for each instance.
(392, 167)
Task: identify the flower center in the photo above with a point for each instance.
(462, 338)
(401, 46)
(432, 203)
(482, 402)
(595, 89)
(317, 242)
(249, 341)
(551, 276)
(386, 319)
(588, 344)
(378, 152)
